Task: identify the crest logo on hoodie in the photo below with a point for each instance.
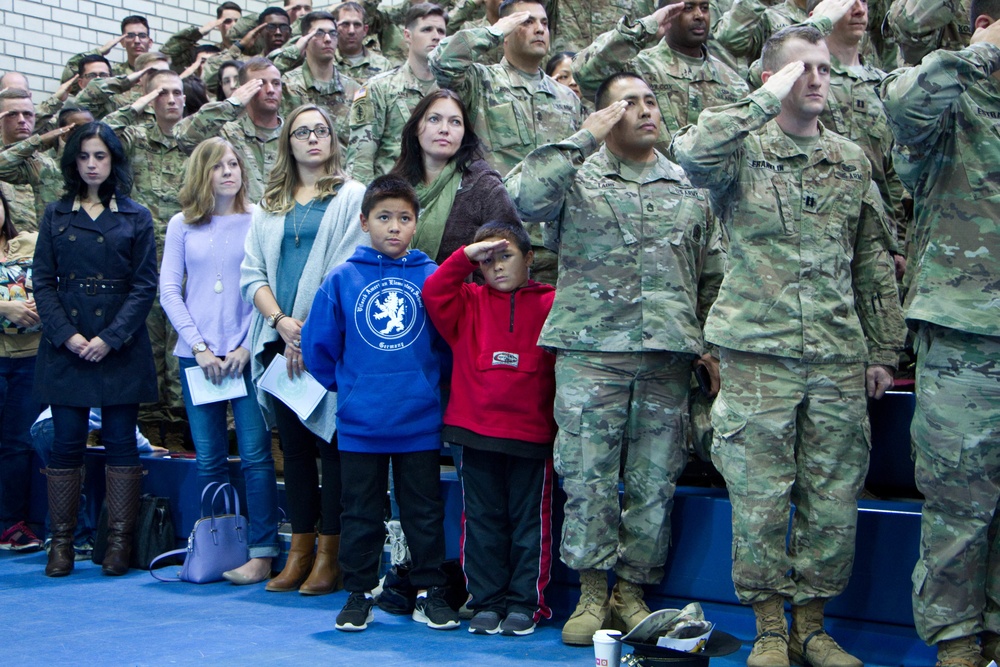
(390, 314)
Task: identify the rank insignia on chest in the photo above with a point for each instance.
(809, 202)
(859, 105)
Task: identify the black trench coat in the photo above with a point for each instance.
(73, 249)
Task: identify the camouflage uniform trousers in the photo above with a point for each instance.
(620, 412)
(956, 440)
(787, 431)
(163, 339)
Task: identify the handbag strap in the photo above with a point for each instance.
(204, 492)
(225, 490)
(168, 554)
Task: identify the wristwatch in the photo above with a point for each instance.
(273, 319)
(198, 348)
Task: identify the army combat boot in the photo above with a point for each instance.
(808, 643)
(770, 648)
(591, 612)
(627, 606)
(963, 652)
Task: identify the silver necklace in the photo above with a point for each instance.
(215, 257)
(297, 222)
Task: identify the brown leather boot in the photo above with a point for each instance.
(808, 642)
(297, 565)
(64, 500)
(325, 576)
(124, 487)
(770, 648)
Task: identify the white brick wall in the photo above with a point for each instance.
(38, 36)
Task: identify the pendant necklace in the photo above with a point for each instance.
(218, 269)
(297, 222)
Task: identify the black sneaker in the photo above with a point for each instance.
(517, 624)
(485, 623)
(432, 608)
(356, 614)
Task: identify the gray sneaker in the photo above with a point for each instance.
(485, 623)
(517, 624)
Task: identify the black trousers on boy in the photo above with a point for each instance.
(507, 552)
(416, 478)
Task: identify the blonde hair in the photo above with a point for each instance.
(197, 197)
(279, 195)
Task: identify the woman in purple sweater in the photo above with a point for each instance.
(205, 243)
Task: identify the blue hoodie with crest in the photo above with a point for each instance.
(368, 338)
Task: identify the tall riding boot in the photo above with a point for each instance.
(124, 487)
(325, 576)
(64, 500)
(297, 565)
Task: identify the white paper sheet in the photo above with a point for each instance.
(302, 394)
(203, 391)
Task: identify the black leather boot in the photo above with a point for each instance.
(124, 487)
(64, 501)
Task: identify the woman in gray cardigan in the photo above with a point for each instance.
(307, 223)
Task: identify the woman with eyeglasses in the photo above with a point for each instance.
(307, 223)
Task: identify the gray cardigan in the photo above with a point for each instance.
(339, 234)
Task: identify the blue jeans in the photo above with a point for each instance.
(71, 426)
(42, 435)
(17, 413)
(209, 432)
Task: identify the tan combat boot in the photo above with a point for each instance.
(808, 643)
(770, 648)
(591, 612)
(627, 606)
(963, 652)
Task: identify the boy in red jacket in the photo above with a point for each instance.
(500, 411)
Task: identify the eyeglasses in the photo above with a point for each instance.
(137, 35)
(302, 134)
(278, 27)
(321, 34)
(95, 75)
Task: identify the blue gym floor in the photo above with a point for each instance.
(88, 618)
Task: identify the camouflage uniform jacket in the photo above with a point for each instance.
(922, 26)
(512, 112)
(103, 96)
(73, 64)
(298, 87)
(180, 47)
(683, 86)
(289, 57)
(854, 110)
(229, 121)
(577, 23)
(379, 111)
(30, 180)
(157, 166)
(749, 23)
(945, 114)
(808, 273)
(640, 261)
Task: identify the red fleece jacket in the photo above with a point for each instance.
(503, 385)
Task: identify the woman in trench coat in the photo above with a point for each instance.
(95, 280)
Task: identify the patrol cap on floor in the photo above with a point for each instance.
(661, 627)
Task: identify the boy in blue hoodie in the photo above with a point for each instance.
(368, 338)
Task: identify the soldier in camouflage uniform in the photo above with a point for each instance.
(24, 195)
(157, 167)
(806, 319)
(922, 26)
(249, 120)
(514, 106)
(181, 45)
(104, 95)
(140, 41)
(318, 81)
(577, 23)
(353, 58)
(640, 263)
(384, 104)
(668, 50)
(945, 114)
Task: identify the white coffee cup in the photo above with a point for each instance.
(607, 648)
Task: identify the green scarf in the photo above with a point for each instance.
(436, 200)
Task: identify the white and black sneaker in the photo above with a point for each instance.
(433, 609)
(357, 613)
